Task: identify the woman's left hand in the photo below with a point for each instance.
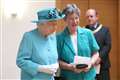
(87, 68)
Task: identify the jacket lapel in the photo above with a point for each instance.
(68, 41)
(80, 38)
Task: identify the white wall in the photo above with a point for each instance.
(12, 32)
(0, 41)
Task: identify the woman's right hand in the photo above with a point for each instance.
(72, 67)
(78, 70)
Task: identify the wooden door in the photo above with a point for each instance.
(119, 37)
(108, 11)
(108, 16)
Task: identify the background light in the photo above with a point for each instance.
(14, 7)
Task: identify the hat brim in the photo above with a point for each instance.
(46, 20)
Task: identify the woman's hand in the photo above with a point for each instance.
(49, 69)
(88, 68)
(78, 70)
(46, 69)
(72, 67)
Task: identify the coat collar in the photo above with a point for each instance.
(93, 27)
(68, 41)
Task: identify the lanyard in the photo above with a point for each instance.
(96, 30)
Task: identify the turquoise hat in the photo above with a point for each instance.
(49, 14)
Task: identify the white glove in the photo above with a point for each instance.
(49, 69)
(54, 66)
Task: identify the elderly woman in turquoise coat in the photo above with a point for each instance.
(75, 42)
(37, 56)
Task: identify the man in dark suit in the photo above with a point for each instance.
(103, 39)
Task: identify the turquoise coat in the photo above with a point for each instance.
(86, 46)
(36, 50)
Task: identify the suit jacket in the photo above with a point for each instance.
(86, 44)
(103, 39)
